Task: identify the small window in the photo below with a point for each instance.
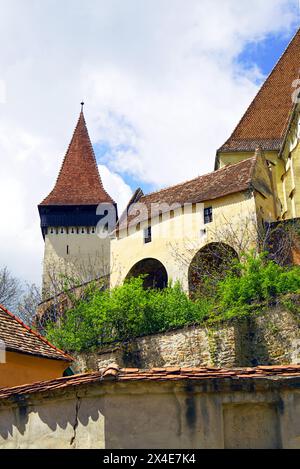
(67, 249)
(208, 215)
(147, 235)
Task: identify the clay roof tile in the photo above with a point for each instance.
(79, 182)
(266, 120)
(18, 337)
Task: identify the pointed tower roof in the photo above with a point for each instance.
(79, 181)
(266, 121)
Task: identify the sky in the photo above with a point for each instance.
(164, 83)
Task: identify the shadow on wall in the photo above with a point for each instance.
(174, 417)
(114, 420)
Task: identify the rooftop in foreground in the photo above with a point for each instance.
(168, 374)
(19, 338)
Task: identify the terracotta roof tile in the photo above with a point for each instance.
(18, 337)
(183, 374)
(266, 120)
(79, 182)
(228, 180)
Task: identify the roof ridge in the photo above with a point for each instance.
(32, 331)
(170, 373)
(199, 177)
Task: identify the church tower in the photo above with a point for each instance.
(272, 124)
(70, 216)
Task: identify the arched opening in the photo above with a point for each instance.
(209, 266)
(154, 271)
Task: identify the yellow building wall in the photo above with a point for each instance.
(176, 241)
(25, 369)
(235, 157)
(284, 171)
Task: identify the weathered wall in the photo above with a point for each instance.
(270, 338)
(199, 415)
(24, 369)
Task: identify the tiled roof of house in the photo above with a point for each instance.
(79, 182)
(168, 374)
(19, 338)
(265, 122)
(228, 180)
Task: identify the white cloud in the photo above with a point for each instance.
(161, 85)
(116, 187)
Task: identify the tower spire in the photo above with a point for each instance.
(79, 181)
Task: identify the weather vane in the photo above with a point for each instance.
(82, 103)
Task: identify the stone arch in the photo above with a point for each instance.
(211, 262)
(155, 273)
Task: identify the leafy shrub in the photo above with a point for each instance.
(253, 281)
(125, 312)
(130, 311)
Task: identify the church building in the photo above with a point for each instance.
(162, 234)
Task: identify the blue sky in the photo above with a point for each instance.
(265, 54)
(262, 55)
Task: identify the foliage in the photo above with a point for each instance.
(252, 282)
(129, 310)
(125, 312)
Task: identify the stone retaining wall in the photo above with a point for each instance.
(267, 339)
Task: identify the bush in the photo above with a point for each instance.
(253, 281)
(130, 311)
(125, 312)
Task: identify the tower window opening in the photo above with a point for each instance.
(67, 249)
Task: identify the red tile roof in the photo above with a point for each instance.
(265, 122)
(168, 374)
(19, 338)
(228, 180)
(79, 182)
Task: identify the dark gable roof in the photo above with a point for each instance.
(79, 182)
(228, 180)
(266, 121)
(168, 374)
(19, 338)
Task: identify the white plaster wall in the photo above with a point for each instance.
(88, 255)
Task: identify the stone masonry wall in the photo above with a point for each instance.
(271, 338)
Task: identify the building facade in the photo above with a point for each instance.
(162, 234)
(163, 408)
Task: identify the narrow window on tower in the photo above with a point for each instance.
(208, 215)
(148, 235)
(67, 249)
